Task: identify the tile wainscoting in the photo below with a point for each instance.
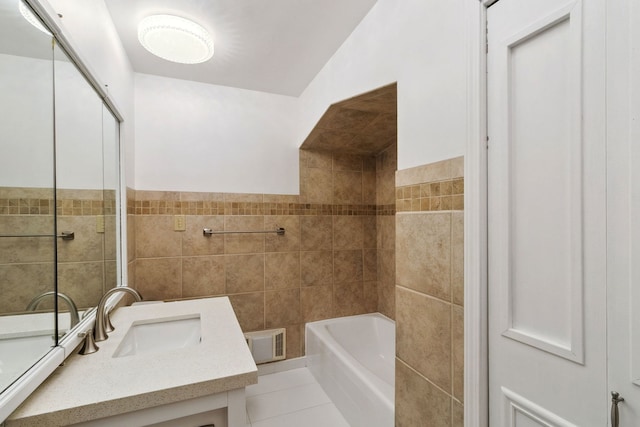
(429, 295)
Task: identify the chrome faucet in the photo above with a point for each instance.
(73, 309)
(103, 324)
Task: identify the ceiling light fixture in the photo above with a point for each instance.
(27, 14)
(175, 39)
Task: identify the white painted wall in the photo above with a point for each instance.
(421, 45)
(198, 137)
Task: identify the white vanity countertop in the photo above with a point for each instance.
(99, 385)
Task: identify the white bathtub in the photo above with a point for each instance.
(353, 359)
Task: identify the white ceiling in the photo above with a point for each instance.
(275, 46)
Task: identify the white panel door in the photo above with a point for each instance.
(547, 213)
(623, 203)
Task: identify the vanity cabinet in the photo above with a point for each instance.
(155, 385)
(227, 409)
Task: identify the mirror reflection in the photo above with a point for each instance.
(85, 163)
(27, 206)
(59, 192)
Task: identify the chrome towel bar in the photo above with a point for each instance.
(208, 232)
(65, 235)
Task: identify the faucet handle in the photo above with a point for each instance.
(89, 345)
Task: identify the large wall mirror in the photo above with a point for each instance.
(59, 193)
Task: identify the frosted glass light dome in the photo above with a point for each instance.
(175, 39)
(31, 18)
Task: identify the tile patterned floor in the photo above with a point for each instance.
(290, 398)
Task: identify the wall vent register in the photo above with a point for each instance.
(267, 346)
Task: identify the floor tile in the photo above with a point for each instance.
(280, 381)
(318, 416)
(285, 401)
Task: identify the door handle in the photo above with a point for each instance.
(615, 416)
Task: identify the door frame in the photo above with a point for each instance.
(476, 344)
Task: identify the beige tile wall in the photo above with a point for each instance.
(429, 295)
(326, 265)
(386, 165)
(86, 265)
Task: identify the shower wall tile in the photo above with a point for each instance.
(386, 300)
(457, 414)
(280, 198)
(88, 245)
(243, 197)
(370, 233)
(316, 303)
(424, 258)
(193, 196)
(16, 296)
(295, 341)
(418, 401)
(370, 265)
(370, 296)
(348, 232)
(195, 243)
(349, 298)
(316, 268)
(131, 274)
(131, 225)
(159, 278)
(82, 281)
(244, 273)
(316, 159)
(158, 195)
(110, 237)
(26, 224)
(457, 348)
(110, 276)
(369, 187)
(457, 257)
(203, 276)
(386, 232)
(249, 309)
(347, 162)
(385, 169)
(243, 243)
(291, 239)
(347, 187)
(282, 308)
(155, 237)
(432, 172)
(429, 272)
(347, 266)
(423, 330)
(316, 233)
(282, 270)
(26, 249)
(316, 186)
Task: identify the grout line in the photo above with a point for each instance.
(412, 369)
(288, 388)
(424, 294)
(303, 410)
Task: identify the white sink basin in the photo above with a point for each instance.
(156, 335)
